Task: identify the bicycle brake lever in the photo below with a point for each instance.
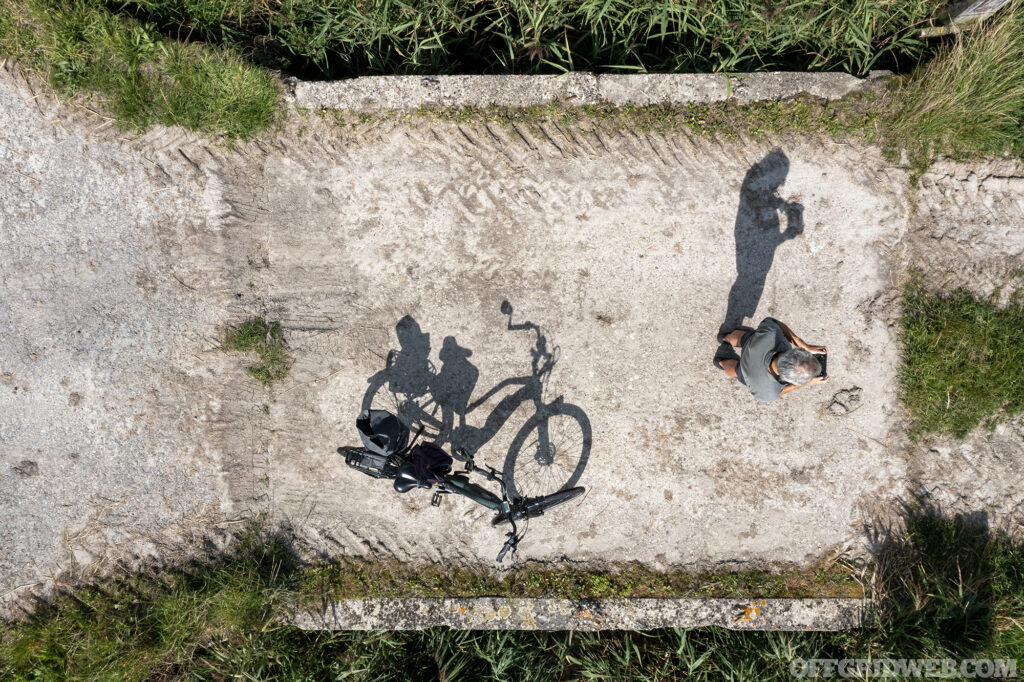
(510, 544)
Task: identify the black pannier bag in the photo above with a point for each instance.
(381, 432)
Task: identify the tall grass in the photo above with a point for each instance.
(948, 587)
(336, 38)
(963, 360)
(969, 100)
(139, 77)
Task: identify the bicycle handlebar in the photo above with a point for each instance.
(491, 474)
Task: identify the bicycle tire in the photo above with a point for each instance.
(540, 472)
(536, 507)
(413, 411)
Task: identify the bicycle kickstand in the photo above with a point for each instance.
(470, 463)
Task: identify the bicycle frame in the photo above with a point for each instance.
(458, 484)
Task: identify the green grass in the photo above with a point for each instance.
(856, 117)
(136, 76)
(362, 579)
(341, 38)
(265, 340)
(946, 585)
(963, 360)
(152, 626)
(969, 100)
(948, 589)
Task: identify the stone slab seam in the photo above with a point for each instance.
(503, 613)
(572, 89)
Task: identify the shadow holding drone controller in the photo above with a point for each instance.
(758, 233)
(550, 450)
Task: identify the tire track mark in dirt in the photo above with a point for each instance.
(968, 228)
(442, 222)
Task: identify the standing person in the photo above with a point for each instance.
(773, 360)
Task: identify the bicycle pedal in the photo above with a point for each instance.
(435, 501)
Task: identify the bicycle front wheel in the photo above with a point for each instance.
(549, 453)
(538, 506)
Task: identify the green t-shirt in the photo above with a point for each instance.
(765, 343)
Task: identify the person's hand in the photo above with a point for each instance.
(819, 380)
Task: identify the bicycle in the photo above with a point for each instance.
(549, 452)
(386, 455)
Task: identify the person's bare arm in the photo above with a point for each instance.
(793, 338)
(791, 387)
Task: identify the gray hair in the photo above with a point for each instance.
(798, 366)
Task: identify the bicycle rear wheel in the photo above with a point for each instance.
(415, 409)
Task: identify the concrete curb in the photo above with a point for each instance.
(500, 613)
(574, 89)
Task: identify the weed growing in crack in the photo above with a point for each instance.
(266, 341)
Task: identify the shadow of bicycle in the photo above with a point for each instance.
(549, 451)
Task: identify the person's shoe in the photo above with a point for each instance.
(717, 362)
(721, 337)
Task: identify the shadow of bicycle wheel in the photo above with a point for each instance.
(550, 451)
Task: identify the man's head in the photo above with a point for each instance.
(797, 366)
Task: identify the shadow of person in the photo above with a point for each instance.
(758, 233)
(409, 366)
(452, 388)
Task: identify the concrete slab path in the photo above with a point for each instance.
(125, 433)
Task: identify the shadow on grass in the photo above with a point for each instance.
(945, 584)
(947, 588)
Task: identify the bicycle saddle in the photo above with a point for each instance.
(407, 479)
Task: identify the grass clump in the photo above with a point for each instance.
(949, 589)
(963, 360)
(325, 39)
(137, 76)
(152, 627)
(969, 100)
(266, 341)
